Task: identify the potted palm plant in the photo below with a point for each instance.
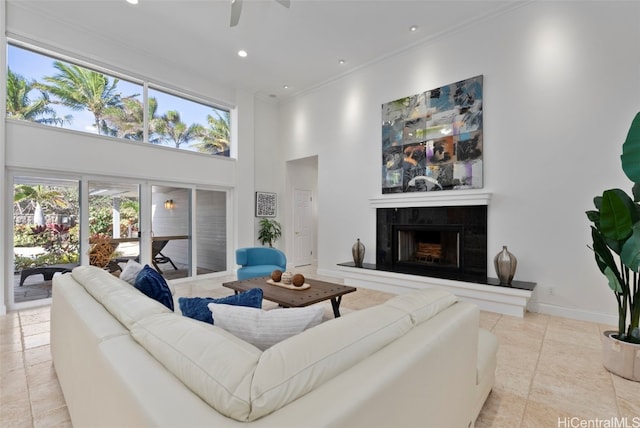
(269, 231)
(616, 245)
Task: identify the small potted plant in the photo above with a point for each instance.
(616, 245)
(269, 232)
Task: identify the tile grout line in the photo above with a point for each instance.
(535, 371)
(24, 367)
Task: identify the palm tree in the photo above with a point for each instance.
(79, 88)
(128, 120)
(37, 196)
(215, 138)
(171, 129)
(20, 106)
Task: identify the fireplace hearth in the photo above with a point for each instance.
(443, 242)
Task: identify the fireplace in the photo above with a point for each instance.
(443, 242)
(432, 245)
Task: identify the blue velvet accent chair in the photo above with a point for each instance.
(259, 261)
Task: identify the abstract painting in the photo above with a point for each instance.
(433, 140)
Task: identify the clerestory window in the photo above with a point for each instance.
(50, 91)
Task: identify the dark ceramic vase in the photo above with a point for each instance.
(358, 253)
(505, 264)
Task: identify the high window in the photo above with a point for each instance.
(53, 92)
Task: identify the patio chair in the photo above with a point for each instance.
(157, 257)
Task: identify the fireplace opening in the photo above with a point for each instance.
(436, 246)
(442, 242)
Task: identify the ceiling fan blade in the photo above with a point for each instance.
(236, 9)
(285, 3)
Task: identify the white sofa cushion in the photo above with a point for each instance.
(264, 329)
(131, 271)
(212, 363)
(127, 304)
(422, 305)
(297, 365)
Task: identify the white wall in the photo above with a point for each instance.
(268, 165)
(560, 91)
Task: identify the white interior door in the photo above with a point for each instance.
(302, 221)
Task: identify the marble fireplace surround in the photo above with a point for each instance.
(489, 295)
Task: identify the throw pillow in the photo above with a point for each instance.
(131, 271)
(154, 286)
(264, 329)
(196, 307)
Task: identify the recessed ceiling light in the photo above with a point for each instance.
(285, 86)
(413, 28)
(242, 54)
(341, 61)
(132, 1)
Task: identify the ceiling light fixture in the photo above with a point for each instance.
(413, 28)
(285, 86)
(242, 53)
(341, 61)
(132, 1)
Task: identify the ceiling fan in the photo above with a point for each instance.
(236, 9)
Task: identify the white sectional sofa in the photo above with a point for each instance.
(125, 360)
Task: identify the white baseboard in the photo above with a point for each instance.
(573, 313)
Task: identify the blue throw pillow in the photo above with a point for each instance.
(196, 307)
(153, 285)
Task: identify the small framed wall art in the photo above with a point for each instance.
(266, 204)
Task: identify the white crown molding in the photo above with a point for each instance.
(431, 199)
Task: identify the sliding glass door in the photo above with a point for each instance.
(60, 223)
(178, 212)
(114, 222)
(45, 233)
(211, 231)
(171, 231)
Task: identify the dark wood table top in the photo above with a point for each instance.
(317, 292)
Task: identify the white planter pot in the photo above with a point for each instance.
(621, 358)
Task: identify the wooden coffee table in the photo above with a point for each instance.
(317, 292)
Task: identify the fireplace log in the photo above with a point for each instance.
(428, 252)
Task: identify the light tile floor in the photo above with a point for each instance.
(549, 371)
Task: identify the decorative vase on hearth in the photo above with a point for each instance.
(358, 253)
(505, 264)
